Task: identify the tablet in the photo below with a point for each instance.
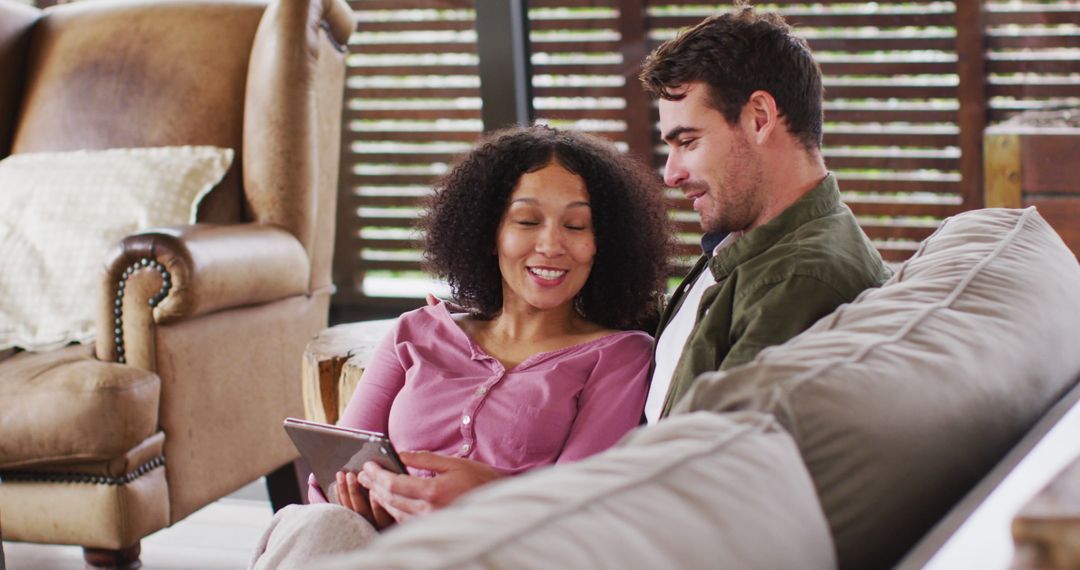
(329, 449)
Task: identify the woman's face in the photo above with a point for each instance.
(545, 240)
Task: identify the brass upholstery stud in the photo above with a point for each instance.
(95, 479)
(118, 310)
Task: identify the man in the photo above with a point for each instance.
(741, 113)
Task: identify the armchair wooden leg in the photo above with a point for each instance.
(287, 485)
(123, 559)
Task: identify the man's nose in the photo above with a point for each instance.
(674, 173)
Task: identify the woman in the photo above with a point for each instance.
(556, 247)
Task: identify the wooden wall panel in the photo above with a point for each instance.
(910, 88)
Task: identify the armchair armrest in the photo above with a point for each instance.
(165, 275)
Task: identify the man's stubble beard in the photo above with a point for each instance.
(737, 203)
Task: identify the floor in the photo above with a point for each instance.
(218, 537)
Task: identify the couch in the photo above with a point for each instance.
(841, 447)
(200, 327)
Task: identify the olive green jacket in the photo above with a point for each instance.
(773, 283)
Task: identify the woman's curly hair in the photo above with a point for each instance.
(633, 234)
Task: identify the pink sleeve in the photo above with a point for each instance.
(613, 399)
(369, 406)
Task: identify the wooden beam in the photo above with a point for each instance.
(502, 42)
(634, 47)
(972, 95)
(1002, 170)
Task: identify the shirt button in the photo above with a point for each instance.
(465, 448)
(481, 391)
(465, 420)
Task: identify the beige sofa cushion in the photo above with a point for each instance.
(65, 406)
(903, 399)
(698, 491)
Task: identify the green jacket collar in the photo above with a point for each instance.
(822, 199)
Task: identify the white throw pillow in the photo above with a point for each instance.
(61, 212)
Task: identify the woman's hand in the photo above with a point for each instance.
(351, 495)
(407, 496)
(315, 492)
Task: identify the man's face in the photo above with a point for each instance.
(711, 161)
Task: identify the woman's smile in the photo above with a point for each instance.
(546, 276)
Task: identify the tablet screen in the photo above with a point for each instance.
(329, 449)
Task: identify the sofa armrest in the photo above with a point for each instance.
(165, 275)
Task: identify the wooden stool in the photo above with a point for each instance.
(333, 363)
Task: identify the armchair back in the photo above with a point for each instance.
(179, 74)
(169, 90)
(15, 23)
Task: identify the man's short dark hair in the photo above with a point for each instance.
(630, 224)
(735, 54)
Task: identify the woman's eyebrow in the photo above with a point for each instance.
(535, 201)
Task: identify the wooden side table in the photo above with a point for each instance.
(333, 363)
(1047, 529)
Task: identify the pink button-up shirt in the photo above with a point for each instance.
(430, 387)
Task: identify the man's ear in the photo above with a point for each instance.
(761, 115)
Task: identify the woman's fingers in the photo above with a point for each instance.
(350, 495)
(383, 517)
(401, 508)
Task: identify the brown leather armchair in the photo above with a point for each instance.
(201, 328)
